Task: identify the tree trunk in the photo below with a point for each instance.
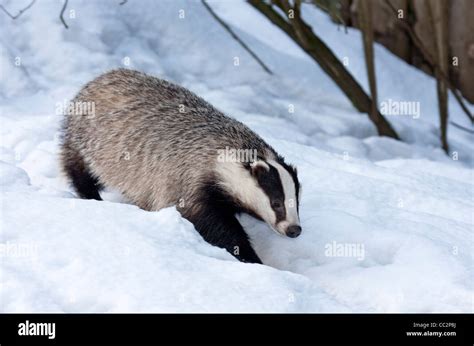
(438, 13)
(365, 23)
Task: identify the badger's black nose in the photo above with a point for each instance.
(293, 231)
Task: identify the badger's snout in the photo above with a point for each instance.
(293, 231)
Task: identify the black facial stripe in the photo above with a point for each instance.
(294, 176)
(270, 182)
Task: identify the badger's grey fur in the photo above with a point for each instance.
(158, 144)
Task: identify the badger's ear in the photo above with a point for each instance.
(259, 167)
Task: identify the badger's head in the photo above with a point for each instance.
(277, 195)
(269, 190)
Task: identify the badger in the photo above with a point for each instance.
(161, 145)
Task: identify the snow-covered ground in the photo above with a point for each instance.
(387, 225)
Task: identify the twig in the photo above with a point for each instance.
(19, 12)
(430, 60)
(232, 33)
(62, 13)
(123, 2)
(461, 127)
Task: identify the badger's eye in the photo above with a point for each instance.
(277, 205)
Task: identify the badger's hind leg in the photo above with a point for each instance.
(86, 185)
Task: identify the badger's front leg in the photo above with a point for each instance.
(219, 226)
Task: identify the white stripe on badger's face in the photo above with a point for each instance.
(291, 200)
(239, 183)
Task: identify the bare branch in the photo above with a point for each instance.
(234, 35)
(461, 127)
(364, 13)
(123, 2)
(439, 25)
(19, 12)
(62, 13)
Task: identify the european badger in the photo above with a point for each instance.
(158, 144)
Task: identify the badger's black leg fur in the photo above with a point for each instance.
(85, 184)
(214, 218)
(221, 228)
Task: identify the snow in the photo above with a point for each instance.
(387, 225)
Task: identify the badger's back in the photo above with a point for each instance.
(154, 141)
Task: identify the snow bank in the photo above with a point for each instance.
(387, 225)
